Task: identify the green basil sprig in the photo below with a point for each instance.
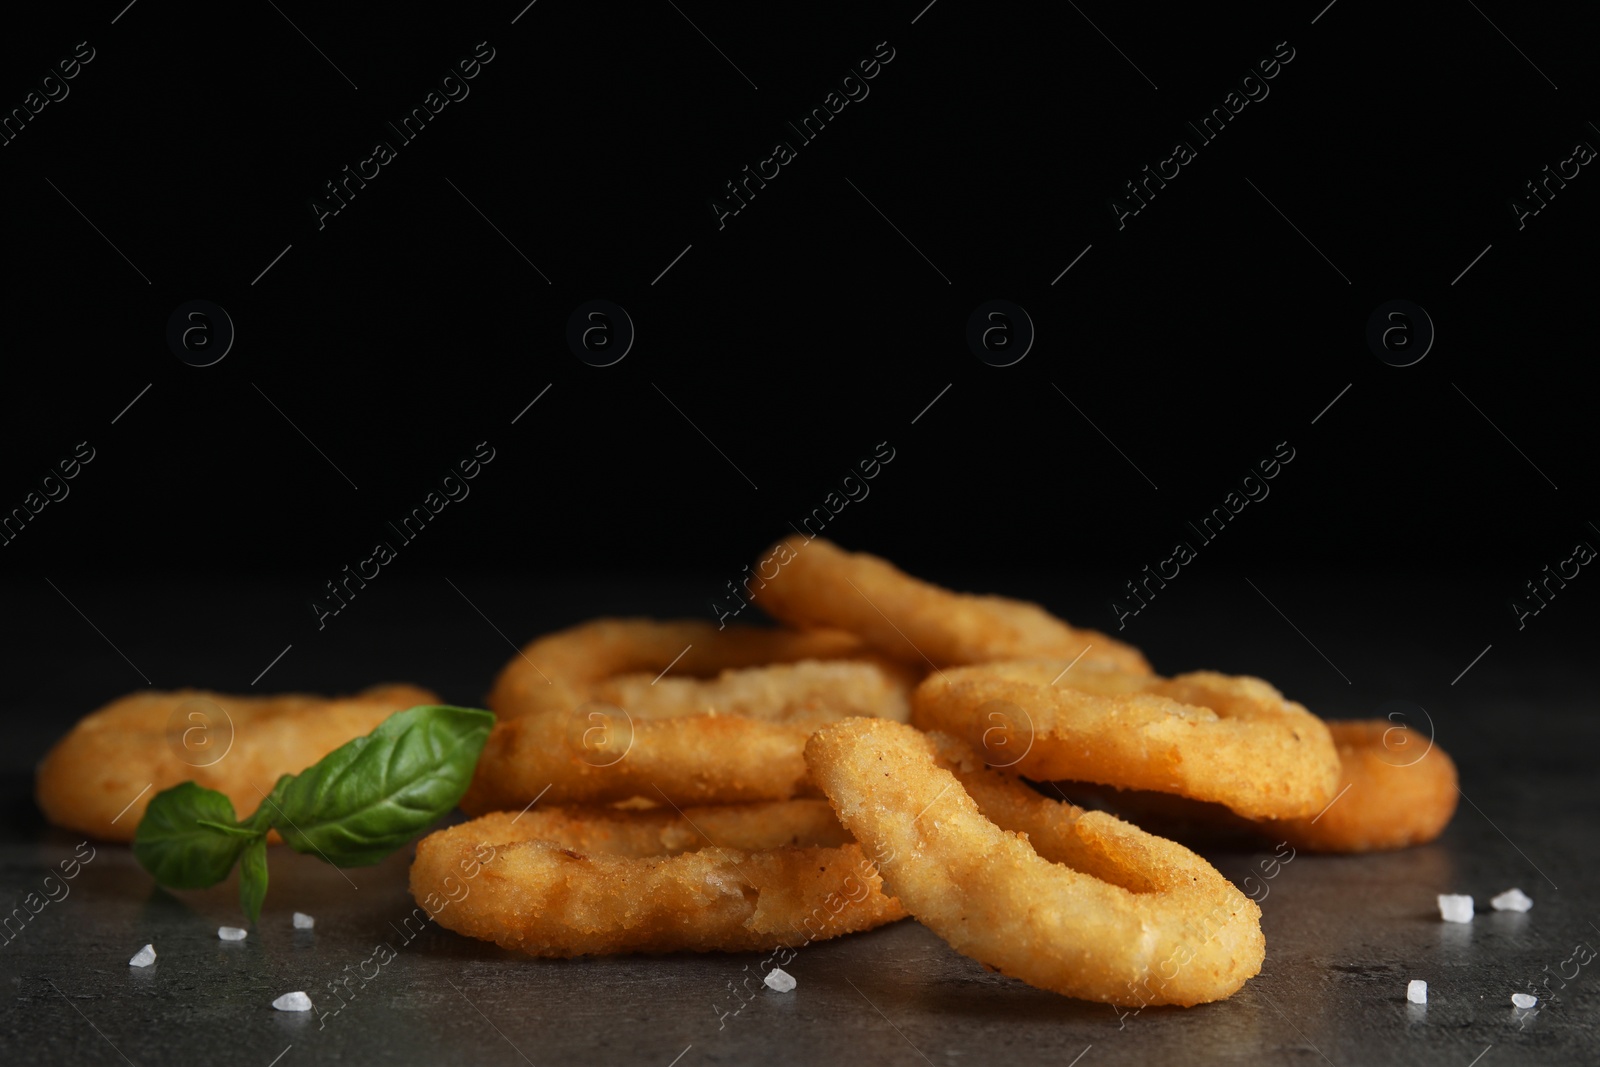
(353, 807)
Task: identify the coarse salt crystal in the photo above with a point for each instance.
(295, 1001)
(1511, 900)
(302, 921)
(1455, 907)
(779, 979)
(1523, 1000)
(231, 933)
(144, 957)
(1417, 991)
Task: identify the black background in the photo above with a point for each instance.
(796, 338)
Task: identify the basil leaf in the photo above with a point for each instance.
(354, 806)
(253, 877)
(371, 795)
(173, 844)
(237, 830)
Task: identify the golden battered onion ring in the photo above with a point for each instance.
(808, 693)
(1396, 789)
(1208, 736)
(558, 672)
(145, 742)
(590, 881)
(1076, 902)
(738, 737)
(818, 584)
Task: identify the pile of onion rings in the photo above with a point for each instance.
(654, 787)
(917, 713)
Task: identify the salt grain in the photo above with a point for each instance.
(779, 979)
(1511, 900)
(302, 921)
(1455, 907)
(144, 957)
(231, 933)
(296, 1001)
(1417, 991)
(1523, 1000)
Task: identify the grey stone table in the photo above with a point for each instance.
(1344, 934)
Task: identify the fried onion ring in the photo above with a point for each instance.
(1207, 736)
(150, 741)
(558, 672)
(565, 882)
(1076, 902)
(738, 737)
(820, 585)
(1396, 789)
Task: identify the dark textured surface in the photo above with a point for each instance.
(1344, 934)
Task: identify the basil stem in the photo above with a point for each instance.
(253, 877)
